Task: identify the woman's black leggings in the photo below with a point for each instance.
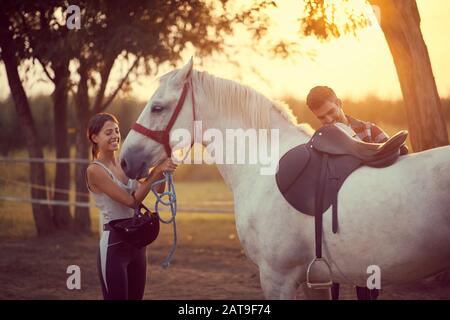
(122, 268)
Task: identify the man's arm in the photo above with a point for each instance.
(379, 136)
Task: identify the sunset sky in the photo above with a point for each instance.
(354, 67)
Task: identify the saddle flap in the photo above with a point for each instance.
(291, 166)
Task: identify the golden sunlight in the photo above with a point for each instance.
(354, 66)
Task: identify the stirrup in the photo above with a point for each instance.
(319, 285)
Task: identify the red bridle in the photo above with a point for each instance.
(163, 136)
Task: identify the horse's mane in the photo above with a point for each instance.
(230, 97)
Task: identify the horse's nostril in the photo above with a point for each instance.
(123, 164)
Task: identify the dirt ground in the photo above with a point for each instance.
(208, 264)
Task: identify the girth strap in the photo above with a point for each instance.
(320, 192)
(335, 182)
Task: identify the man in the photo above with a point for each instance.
(326, 106)
(324, 103)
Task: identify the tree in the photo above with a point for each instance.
(10, 46)
(400, 22)
(39, 25)
(35, 26)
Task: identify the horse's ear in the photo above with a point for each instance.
(185, 72)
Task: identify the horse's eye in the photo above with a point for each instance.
(157, 109)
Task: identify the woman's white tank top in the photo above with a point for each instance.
(109, 208)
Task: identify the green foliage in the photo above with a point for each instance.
(326, 19)
(146, 33)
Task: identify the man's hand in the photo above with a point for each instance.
(404, 150)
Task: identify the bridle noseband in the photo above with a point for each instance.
(163, 136)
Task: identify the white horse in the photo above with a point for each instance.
(396, 218)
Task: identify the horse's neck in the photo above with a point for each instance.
(290, 134)
(235, 174)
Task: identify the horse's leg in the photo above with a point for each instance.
(335, 291)
(277, 285)
(363, 293)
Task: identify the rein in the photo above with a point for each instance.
(172, 202)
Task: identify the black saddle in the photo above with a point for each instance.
(310, 175)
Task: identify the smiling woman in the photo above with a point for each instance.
(121, 266)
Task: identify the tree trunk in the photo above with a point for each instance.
(82, 215)
(41, 212)
(61, 214)
(400, 22)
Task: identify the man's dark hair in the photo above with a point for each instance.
(318, 95)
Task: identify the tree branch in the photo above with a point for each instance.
(45, 69)
(113, 95)
(30, 38)
(104, 76)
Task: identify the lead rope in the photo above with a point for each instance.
(171, 195)
(172, 202)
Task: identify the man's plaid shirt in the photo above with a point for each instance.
(367, 131)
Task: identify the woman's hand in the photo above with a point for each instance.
(166, 165)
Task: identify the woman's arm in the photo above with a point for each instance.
(145, 185)
(158, 176)
(98, 177)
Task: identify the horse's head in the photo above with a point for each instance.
(170, 108)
